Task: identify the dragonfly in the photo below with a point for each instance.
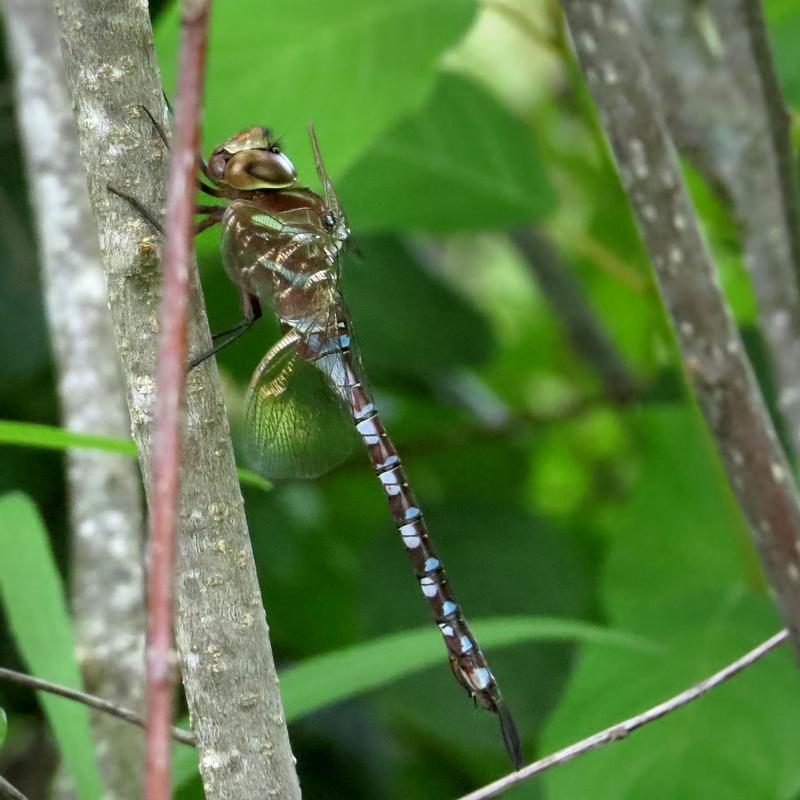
(281, 245)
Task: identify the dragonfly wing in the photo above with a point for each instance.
(297, 425)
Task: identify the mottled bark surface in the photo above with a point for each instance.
(221, 631)
(713, 65)
(104, 489)
(633, 117)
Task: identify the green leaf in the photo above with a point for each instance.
(29, 434)
(342, 674)
(48, 437)
(682, 510)
(462, 163)
(407, 320)
(354, 67)
(33, 600)
(783, 18)
(736, 742)
(3, 725)
(681, 569)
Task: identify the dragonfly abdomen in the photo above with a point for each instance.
(467, 661)
(466, 658)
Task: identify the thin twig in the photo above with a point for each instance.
(170, 388)
(98, 703)
(713, 354)
(622, 729)
(588, 336)
(584, 244)
(9, 791)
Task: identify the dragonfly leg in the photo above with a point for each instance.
(213, 213)
(201, 163)
(151, 218)
(213, 216)
(210, 190)
(162, 134)
(251, 311)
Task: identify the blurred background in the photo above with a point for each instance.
(513, 335)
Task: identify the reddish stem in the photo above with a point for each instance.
(170, 385)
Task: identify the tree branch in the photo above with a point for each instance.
(107, 583)
(170, 388)
(621, 730)
(9, 791)
(621, 84)
(98, 703)
(226, 662)
(726, 112)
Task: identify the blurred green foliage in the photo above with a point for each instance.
(30, 580)
(544, 498)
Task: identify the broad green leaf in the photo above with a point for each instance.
(345, 673)
(408, 321)
(29, 434)
(461, 163)
(680, 531)
(682, 570)
(33, 603)
(736, 742)
(354, 67)
(783, 17)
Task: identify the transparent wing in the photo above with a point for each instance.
(298, 426)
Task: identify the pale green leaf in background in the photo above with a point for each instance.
(345, 673)
(681, 570)
(33, 603)
(285, 63)
(461, 163)
(28, 434)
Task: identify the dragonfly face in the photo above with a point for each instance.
(251, 160)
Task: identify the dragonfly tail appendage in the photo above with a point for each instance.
(511, 739)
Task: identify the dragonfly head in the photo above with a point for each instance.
(251, 160)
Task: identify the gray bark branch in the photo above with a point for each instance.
(9, 791)
(104, 496)
(631, 109)
(726, 112)
(223, 645)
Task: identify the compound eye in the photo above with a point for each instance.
(259, 169)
